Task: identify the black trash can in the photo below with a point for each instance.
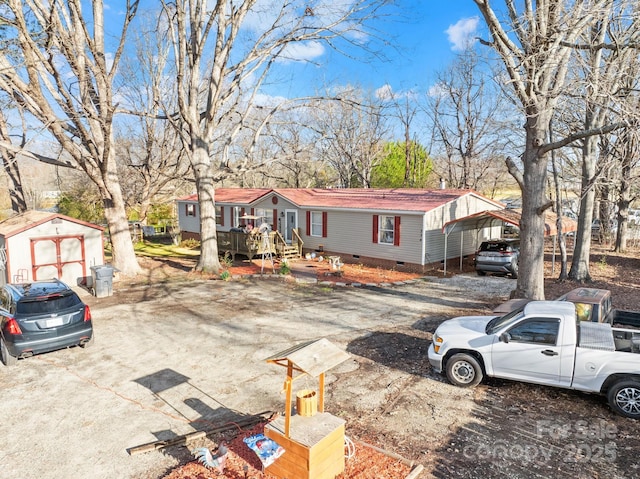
(102, 277)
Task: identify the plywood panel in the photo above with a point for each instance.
(313, 450)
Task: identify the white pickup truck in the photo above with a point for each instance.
(541, 343)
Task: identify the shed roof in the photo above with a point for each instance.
(485, 219)
(398, 199)
(29, 219)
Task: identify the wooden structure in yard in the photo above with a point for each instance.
(248, 244)
(314, 444)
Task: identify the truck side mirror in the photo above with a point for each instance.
(505, 337)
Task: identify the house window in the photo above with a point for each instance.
(219, 216)
(316, 223)
(190, 209)
(387, 229)
(237, 213)
(266, 216)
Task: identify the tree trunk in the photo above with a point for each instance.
(624, 201)
(582, 249)
(209, 261)
(533, 182)
(559, 230)
(124, 257)
(16, 192)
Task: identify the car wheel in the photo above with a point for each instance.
(514, 270)
(464, 370)
(481, 273)
(7, 359)
(624, 398)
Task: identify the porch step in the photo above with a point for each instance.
(290, 251)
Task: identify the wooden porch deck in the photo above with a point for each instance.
(255, 244)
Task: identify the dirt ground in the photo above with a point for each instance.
(175, 354)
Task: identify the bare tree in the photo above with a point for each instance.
(353, 132)
(467, 114)
(628, 166)
(10, 164)
(61, 73)
(536, 44)
(150, 152)
(603, 73)
(221, 63)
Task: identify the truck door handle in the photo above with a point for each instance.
(549, 352)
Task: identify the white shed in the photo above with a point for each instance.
(43, 245)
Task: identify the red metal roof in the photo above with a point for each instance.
(485, 218)
(29, 219)
(400, 199)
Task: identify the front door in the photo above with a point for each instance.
(291, 222)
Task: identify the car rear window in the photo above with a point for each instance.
(495, 247)
(47, 304)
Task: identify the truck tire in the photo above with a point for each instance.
(463, 370)
(624, 398)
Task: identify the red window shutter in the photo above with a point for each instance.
(308, 223)
(375, 228)
(324, 224)
(222, 216)
(396, 231)
(252, 213)
(241, 211)
(274, 226)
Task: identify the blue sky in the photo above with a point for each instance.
(423, 34)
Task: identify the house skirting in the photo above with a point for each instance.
(378, 262)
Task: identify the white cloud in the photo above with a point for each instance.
(385, 92)
(436, 91)
(302, 51)
(462, 34)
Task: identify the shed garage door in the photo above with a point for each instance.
(61, 257)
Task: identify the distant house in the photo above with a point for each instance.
(386, 227)
(42, 245)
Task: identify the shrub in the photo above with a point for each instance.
(190, 243)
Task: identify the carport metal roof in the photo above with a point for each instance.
(487, 219)
(491, 218)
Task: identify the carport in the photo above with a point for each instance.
(497, 218)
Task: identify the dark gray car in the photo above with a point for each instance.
(39, 317)
(498, 256)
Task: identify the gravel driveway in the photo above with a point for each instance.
(172, 358)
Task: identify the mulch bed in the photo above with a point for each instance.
(242, 463)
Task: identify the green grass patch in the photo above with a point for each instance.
(164, 250)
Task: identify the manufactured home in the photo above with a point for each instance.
(398, 228)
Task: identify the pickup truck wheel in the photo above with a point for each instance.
(464, 370)
(624, 398)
